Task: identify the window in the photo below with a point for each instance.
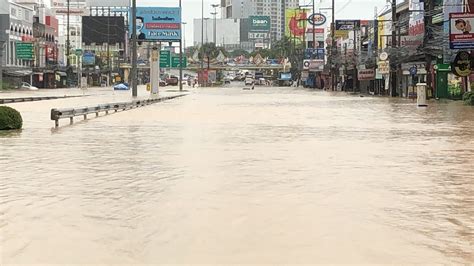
(27, 15)
(13, 12)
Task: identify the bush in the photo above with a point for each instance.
(10, 118)
(468, 98)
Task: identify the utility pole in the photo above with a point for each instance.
(180, 54)
(312, 22)
(1, 63)
(333, 46)
(393, 70)
(202, 42)
(68, 45)
(184, 34)
(134, 49)
(108, 51)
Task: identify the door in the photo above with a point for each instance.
(442, 84)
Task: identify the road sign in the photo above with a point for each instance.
(413, 70)
(165, 58)
(175, 61)
(24, 50)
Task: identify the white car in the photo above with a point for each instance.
(249, 81)
(27, 86)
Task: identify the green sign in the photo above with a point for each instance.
(78, 52)
(259, 23)
(165, 58)
(175, 61)
(24, 50)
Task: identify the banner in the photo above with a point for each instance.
(295, 24)
(460, 31)
(158, 23)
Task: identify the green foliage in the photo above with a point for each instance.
(10, 118)
(7, 85)
(468, 98)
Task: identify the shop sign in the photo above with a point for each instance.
(462, 64)
(460, 31)
(366, 74)
(383, 67)
(317, 19)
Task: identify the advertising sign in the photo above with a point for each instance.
(416, 23)
(383, 67)
(258, 35)
(313, 64)
(366, 74)
(24, 50)
(314, 53)
(343, 27)
(88, 58)
(295, 24)
(158, 23)
(460, 31)
(318, 34)
(317, 19)
(462, 64)
(259, 23)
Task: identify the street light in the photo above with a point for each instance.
(214, 14)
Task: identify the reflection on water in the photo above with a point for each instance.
(230, 176)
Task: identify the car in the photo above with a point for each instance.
(228, 79)
(27, 86)
(121, 86)
(249, 81)
(172, 80)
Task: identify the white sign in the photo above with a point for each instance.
(383, 67)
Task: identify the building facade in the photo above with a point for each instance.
(275, 9)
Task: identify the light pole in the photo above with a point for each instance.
(394, 46)
(333, 45)
(214, 14)
(202, 42)
(134, 49)
(206, 19)
(184, 35)
(68, 48)
(214, 30)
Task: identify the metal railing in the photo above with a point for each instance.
(32, 99)
(57, 114)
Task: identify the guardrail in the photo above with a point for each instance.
(57, 114)
(32, 99)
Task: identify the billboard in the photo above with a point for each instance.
(460, 31)
(88, 58)
(259, 23)
(295, 27)
(158, 23)
(343, 27)
(416, 23)
(98, 29)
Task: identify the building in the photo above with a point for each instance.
(18, 54)
(227, 31)
(275, 9)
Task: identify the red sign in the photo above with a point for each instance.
(316, 30)
(366, 74)
(53, 22)
(167, 26)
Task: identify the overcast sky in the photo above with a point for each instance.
(345, 9)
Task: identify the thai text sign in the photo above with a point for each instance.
(366, 74)
(460, 31)
(158, 23)
(24, 50)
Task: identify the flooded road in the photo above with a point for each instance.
(275, 175)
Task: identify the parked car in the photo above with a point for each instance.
(27, 86)
(228, 79)
(249, 81)
(172, 80)
(162, 83)
(121, 86)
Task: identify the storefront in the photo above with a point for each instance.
(412, 73)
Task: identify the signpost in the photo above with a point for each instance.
(175, 61)
(165, 58)
(24, 50)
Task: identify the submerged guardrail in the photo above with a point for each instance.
(57, 114)
(33, 99)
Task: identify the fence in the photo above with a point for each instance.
(57, 114)
(32, 99)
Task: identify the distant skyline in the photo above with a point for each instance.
(345, 9)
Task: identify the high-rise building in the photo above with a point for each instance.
(273, 8)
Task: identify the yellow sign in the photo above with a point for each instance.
(295, 24)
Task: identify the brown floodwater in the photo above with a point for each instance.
(275, 175)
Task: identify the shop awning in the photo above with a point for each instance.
(62, 73)
(18, 73)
